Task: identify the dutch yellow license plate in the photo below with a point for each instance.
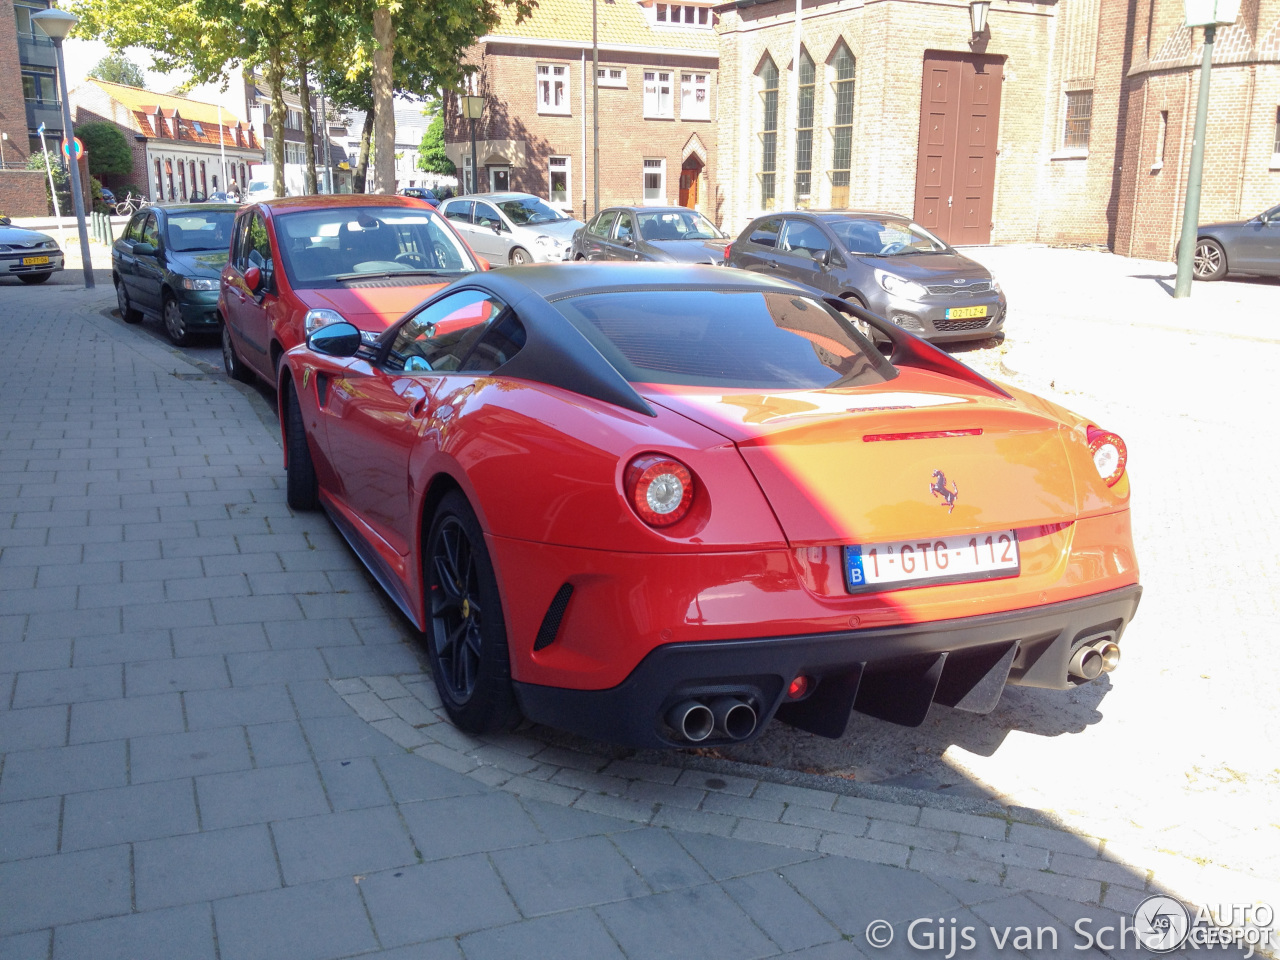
(34, 261)
(964, 313)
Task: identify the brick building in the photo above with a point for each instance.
(178, 144)
(27, 63)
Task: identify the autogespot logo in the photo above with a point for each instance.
(1161, 924)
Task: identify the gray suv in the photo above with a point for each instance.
(881, 261)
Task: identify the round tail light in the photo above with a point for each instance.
(1109, 455)
(659, 488)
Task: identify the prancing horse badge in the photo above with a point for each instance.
(939, 489)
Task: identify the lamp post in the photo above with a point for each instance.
(1208, 14)
(472, 109)
(57, 24)
(978, 17)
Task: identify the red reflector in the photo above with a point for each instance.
(799, 687)
(923, 435)
(728, 248)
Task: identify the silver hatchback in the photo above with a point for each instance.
(512, 228)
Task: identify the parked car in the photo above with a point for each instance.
(512, 228)
(662, 504)
(879, 261)
(667, 234)
(166, 265)
(421, 193)
(29, 255)
(108, 199)
(258, 190)
(1251, 247)
(299, 263)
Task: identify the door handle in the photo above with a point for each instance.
(415, 408)
(948, 203)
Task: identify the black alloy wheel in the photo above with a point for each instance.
(231, 361)
(302, 489)
(175, 324)
(466, 635)
(1210, 260)
(127, 312)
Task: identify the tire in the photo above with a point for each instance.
(127, 311)
(466, 635)
(1210, 262)
(34, 277)
(175, 324)
(231, 361)
(302, 490)
(861, 326)
(124, 209)
(518, 257)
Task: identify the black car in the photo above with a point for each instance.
(1251, 247)
(880, 261)
(168, 262)
(421, 193)
(662, 234)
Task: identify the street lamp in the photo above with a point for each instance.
(978, 16)
(57, 24)
(472, 109)
(1208, 14)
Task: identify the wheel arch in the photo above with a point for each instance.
(282, 392)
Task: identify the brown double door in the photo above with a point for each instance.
(959, 124)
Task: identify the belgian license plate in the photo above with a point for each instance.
(964, 313)
(907, 563)
(34, 261)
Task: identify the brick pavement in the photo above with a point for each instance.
(193, 767)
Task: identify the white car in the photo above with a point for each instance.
(30, 256)
(258, 190)
(512, 228)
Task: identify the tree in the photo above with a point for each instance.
(107, 149)
(117, 68)
(431, 155)
(61, 178)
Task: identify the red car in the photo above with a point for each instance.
(662, 504)
(299, 263)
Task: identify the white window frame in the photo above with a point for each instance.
(550, 74)
(690, 84)
(567, 165)
(654, 88)
(605, 78)
(493, 171)
(468, 179)
(650, 165)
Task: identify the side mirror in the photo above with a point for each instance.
(825, 257)
(252, 279)
(497, 226)
(627, 241)
(144, 249)
(335, 340)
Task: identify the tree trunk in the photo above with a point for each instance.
(360, 176)
(275, 77)
(384, 118)
(309, 136)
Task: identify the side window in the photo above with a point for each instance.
(499, 344)
(603, 224)
(150, 233)
(134, 232)
(441, 336)
(486, 216)
(258, 245)
(803, 239)
(239, 248)
(460, 211)
(625, 230)
(765, 233)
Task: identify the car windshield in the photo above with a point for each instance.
(884, 237)
(530, 211)
(677, 225)
(329, 246)
(186, 232)
(731, 339)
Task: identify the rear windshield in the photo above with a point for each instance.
(210, 230)
(754, 339)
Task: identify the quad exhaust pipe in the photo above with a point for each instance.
(730, 717)
(1092, 660)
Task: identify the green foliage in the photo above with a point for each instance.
(431, 155)
(117, 68)
(61, 178)
(106, 148)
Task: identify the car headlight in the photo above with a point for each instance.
(898, 287)
(199, 283)
(995, 284)
(315, 319)
(545, 241)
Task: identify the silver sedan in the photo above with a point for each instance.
(29, 255)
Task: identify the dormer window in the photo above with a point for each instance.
(683, 15)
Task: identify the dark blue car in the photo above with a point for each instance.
(167, 263)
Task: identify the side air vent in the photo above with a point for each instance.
(551, 622)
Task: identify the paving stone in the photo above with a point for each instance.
(219, 640)
(29, 828)
(405, 734)
(1049, 937)
(878, 809)
(456, 826)
(38, 600)
(181, 755)
(257, 796)
(724, 858)
(388, 688)
(185, 932)
(577, 935)
(753, 807)
(65, 888)
(293, 634)
(1058, 840)
(700, 922)
(952, 865)
(617, 807)
(660, 860)
(223, 565)
(122, 648)
(123, 718)
(341, 738)
(850, 893)
(353, 784)
(34, 727)
(204, 866)
(414, 711)
(255, 609)
(564, 823)
(233, 706)
(101, 818)
(694, 821)
(37, 945)
(58, 575)
(863, 848)
(343, 844)
(364, 660)
(369, 706)
(315, 921)
(166, 613)
(349, 685)
(552, 877)
(175, 674)
(35, 655)
(277, 666)
(819, 799)
(37, 688)
(998, 851)
(992, 828)
(315, 698)
(1057, 884)
(1095, 869)
(665, 793)
(446, 757)
(57, 770)
(717, 783)
(277, 744)
(788, 919)
(912, 836)
(465, 895)
(848, 824)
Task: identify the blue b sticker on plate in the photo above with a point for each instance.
(853, 574)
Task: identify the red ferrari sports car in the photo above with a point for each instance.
(662, 505)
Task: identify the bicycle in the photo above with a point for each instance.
(131, 204)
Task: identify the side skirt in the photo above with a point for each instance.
(369, 557)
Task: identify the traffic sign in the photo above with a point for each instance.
(75, 146)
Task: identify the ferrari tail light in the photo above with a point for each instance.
(1109, 454)
(659, 488)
